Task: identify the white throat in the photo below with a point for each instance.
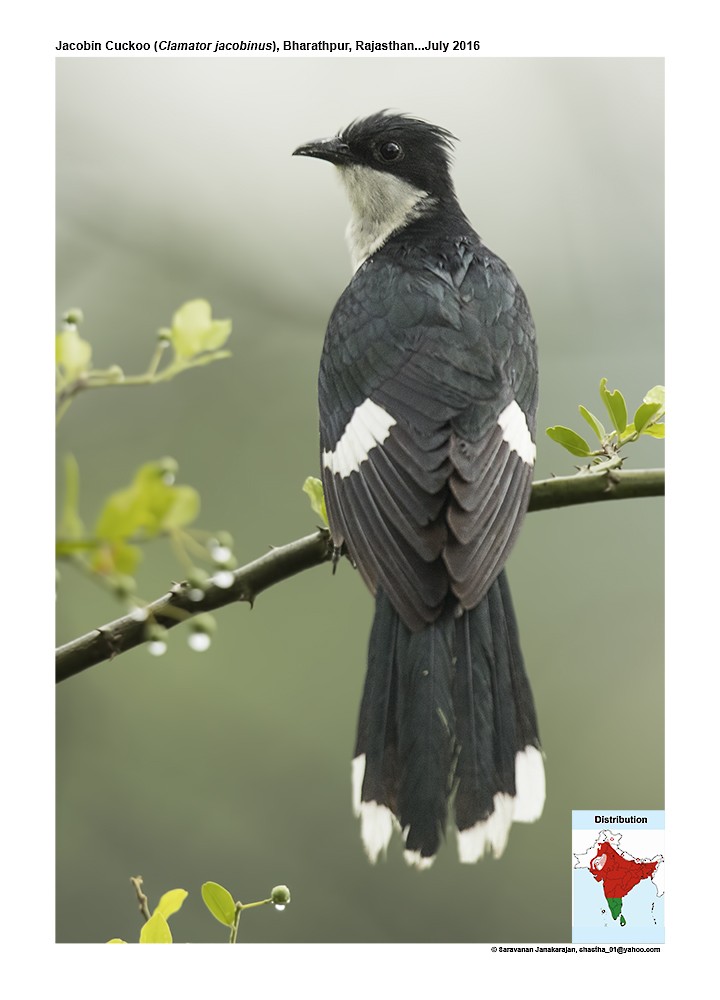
(380, 204)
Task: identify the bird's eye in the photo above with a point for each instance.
(390, 151)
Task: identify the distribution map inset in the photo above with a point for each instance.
(619, 872)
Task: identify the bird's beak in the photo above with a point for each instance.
(334, 150)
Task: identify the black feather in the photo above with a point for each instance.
(406, 728)
(426, 736)
(495, 717)
(446, 707)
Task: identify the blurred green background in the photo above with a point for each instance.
(175, 181)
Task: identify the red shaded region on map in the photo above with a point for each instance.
(617, 874)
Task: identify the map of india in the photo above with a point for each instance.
(618, 873)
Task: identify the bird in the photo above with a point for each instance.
(427, 396)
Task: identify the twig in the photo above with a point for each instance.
(143, 906)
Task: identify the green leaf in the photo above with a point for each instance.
(70, 526)
(195, 331)
(600, 431)
(170, 902)
(65, 547)
(644, 414)
(182, 509)
(616, 407)
(72, 353)
(575, 444)
(314, 489)
(655, 395)
(151, 504)
(122, 515)
(156, 930)
(109, 558)
(655, 430)
(220, 903)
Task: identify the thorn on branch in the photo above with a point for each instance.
(337, 553)
(247, 597)
(611, 481)
(113, 641)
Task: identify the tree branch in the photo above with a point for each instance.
(118, 636)
(177, 606)
(588, 487)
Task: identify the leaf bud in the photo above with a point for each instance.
(123, 585)
(280, 895)
(156, 636)
(204, 623)
(198, 578)
(73, 316)
(225, 539)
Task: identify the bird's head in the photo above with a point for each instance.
(395, 170)
(396, 146)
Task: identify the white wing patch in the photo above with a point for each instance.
(515, 431)
(367, 428)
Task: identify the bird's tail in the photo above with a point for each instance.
(447, 709)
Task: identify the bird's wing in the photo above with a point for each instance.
(427, 419)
